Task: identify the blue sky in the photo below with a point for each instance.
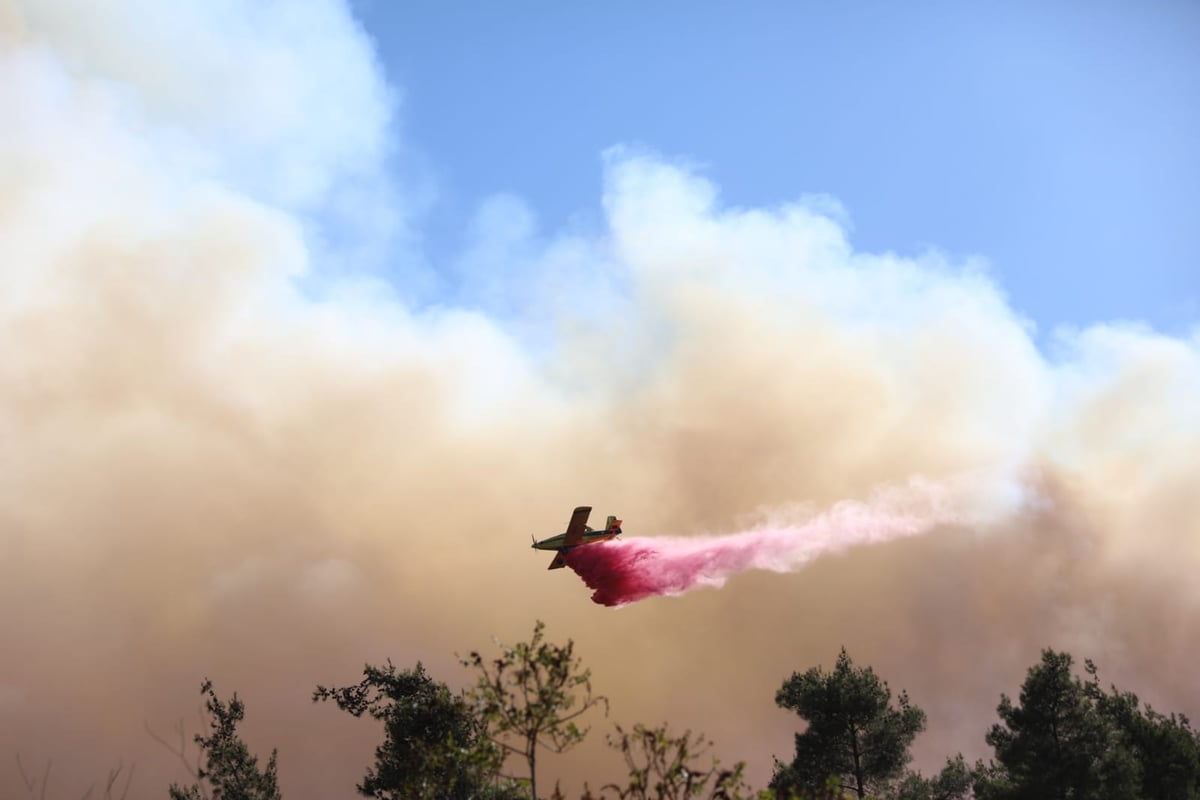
(1058, 141)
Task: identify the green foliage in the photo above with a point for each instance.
(434, 747)
(1162, 752)
(666, 767)
(531, 696)
(1064, 738)
(1055, 743)
(228, 767)
(853, 731)
(830, 790)
(954, 782)
(1070, 738)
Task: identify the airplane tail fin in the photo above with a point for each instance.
(614, 525)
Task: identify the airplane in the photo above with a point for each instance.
(577, 534)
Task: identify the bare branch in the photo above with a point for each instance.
(30, 783)
(113, 776)
(24, 777)
(180, 752)
(39, 790)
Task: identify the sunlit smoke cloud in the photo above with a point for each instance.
(231, 449)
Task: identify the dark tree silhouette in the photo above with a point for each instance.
(1166, 749)
(434, 747)
(954, 782)
(227, 766)
(531, 696)
(1054, 743)
(666, 767)
(854, 733)
(1068, 738)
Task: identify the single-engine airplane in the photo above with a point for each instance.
(577, 533)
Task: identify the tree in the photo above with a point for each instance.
(666, 767)
(434, 747)
(853, 733)
(952, 783)
(531, 696)
(1055, 743)
(1165, 748)
(227, 766)
(1069, 738)
(111, 787)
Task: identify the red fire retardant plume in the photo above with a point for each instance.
(621, 572)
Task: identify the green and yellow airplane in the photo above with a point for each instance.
(577, 534)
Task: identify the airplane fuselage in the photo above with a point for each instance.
(577, 534)
(559, 542)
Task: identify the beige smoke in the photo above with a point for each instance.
(228, 452)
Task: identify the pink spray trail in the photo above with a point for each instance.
(622, 572)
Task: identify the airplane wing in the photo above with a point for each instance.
(575, 527)
(558, 563)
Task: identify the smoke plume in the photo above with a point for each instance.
(248, 432)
